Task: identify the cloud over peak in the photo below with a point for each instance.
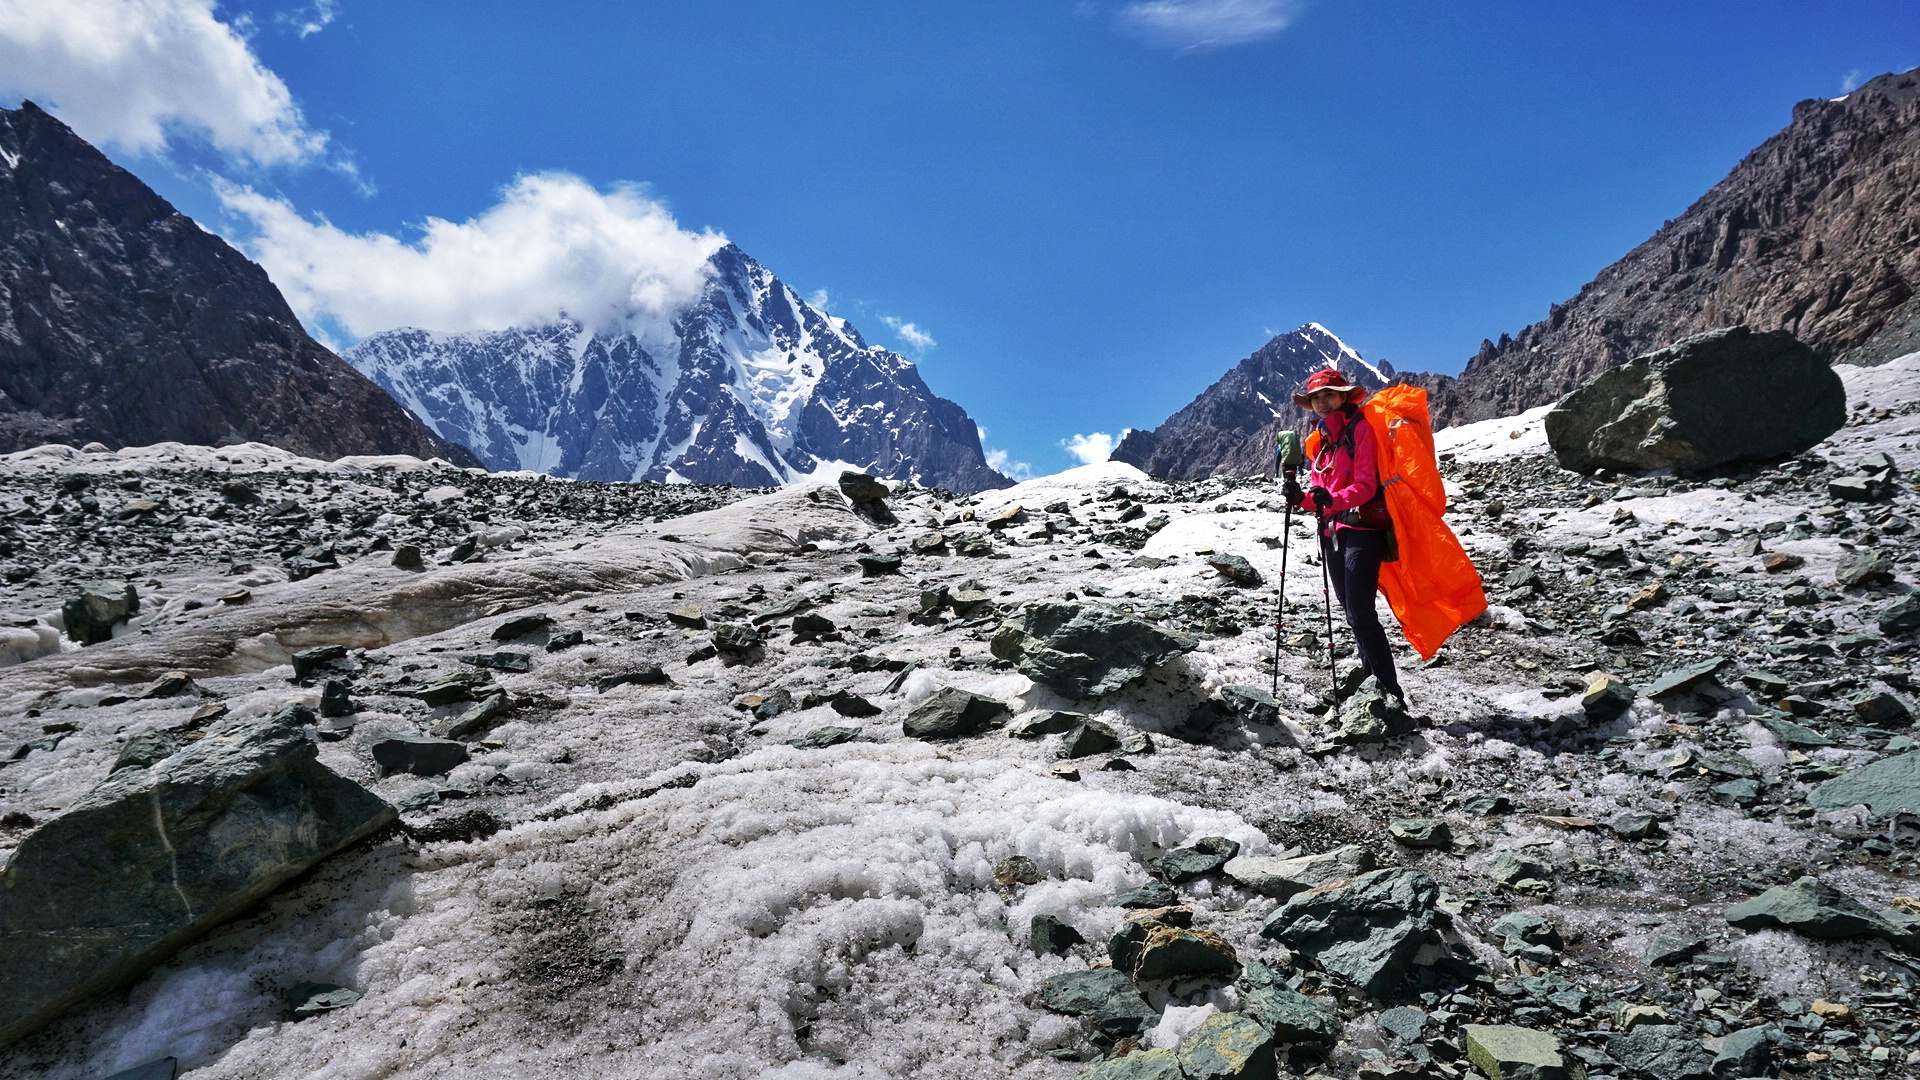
(1194, 25)
(1091, 448)
(552, 246)
(132, 73)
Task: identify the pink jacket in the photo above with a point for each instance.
(1351, 477)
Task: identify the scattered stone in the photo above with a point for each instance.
(1886, 787)
(1284, 877)
(1862, 568)
(151, 858)
(1812, 908)
(930, 543)
(419, 755)
(1048, 936)
(1153, 894)
(1902, 615)
(1631, 825)
(1526, 934)
(811, 627)
(1421, 832)
(853, 705)
(1237, 570)
(1882, 711)
(146, 749)
(822, 737)
(1859, 488)
(473, 721)
(1371, 715)
(1087, 738)
(1508, 1052)
(651, 675)
(1011, 515)
(1661, 1052)
(335, 701)
(1156, 1064)
(878, 565)
(513, 663)
(520, 626)
(566, 640)
(1173, 952)
(735, 639)
(1083, 650)
(408, 557)
(312, 999)
(1204, 856)
(1403, 1022)
(860, 488)
(1016, 870)
(1367, 930)
(1746, 1052)
(688, 617)
(1228, 1046)
(1104, 995)
(1693, 677)
(1510, 866)
(1704, 402)
(1780, 561)
(1247, 705)
(308, 661)
(1664, 951)
(1045, 722)
(90, 617)
(1607, 699)
(162, 1069)
(951, 713)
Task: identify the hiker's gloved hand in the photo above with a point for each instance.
(1322, 498)
(1291, 492)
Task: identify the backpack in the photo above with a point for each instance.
(1432, 585)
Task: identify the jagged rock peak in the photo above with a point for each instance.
(1228, 429)
(751, 385)
(124, 322)
(1812, 233)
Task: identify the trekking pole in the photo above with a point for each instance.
(1289, 458)
(1326, 600)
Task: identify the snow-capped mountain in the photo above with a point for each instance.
(751, 385)
(1228, 430)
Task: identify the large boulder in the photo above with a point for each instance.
(1885, 787)
(1285, 877)
(1813, 908)
(155, 856)
(1367, 930)
(1084, 650)
(101, 605)
(1707, 401)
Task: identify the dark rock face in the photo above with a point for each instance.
(1712, 400)
(750, 386)
(1229, 429)
(124, 322)
(155, 856)
(1810, 234)
(1084, 650)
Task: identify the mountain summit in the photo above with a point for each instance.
(124, 322)
(751, 385)
(1229, 428)
(1812, 233)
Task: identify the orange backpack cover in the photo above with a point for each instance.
(1433, 587)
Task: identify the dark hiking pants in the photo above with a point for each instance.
(1355, 570)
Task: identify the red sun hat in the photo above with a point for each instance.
(1328, 379)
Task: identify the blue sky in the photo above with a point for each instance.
(1074, 215)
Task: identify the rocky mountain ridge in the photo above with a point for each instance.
(1816, 232)
(1228, 429)
(750, 385)
(123, 322)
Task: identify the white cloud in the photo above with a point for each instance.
(553, 245)
(1092, 448)
(916, 339)
(1852, 81)
(819, 300)
(1002, 462)
(1191, 25)
(310, 20)
(130, 73)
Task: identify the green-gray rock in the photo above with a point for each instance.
(1900, 616)
(1087, 738)
(1421, 832)
(1886, 787)
(1606, 699)
(1048, 936)
(1792, 734)
(1104, 995)
(1813, 908)
(1507, 1052)
(1661, 1052)
(1709, 400)
(1371, 715)
(1237, 570)
(1228, 1046)
(1691, 677)
(1153, 894)
(1285, 877)
(1882, 711)
(951, 713)
(1366, 931)
(153, 857)
(1084, 650)
(1203, 856)
(822, 737)
(1045, 722)
(1157, 1064)
(1294, 1018)
(1513, 865)
(90, 617)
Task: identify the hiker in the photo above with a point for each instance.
(1344, 493)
